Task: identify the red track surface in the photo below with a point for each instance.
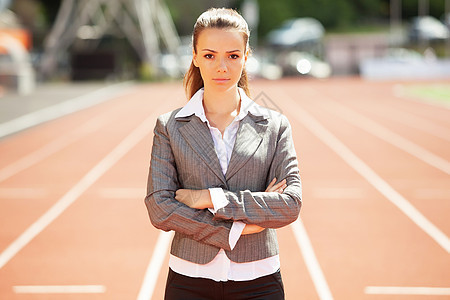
(359, 237)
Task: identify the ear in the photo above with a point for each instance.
(246, 55)
(194, 58)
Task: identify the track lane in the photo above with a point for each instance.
(380, 208)
(109, 132)
(359, 238)
(391, 94)
(404, 172)
(434, 186)
(427, 132)
(55, 174)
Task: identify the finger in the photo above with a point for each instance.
(279, 184)
(177, 195)
(268, 189)
(281, 189)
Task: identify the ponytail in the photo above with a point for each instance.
(243, 82)
(192, 81)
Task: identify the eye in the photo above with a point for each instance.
(234, 56)
(208, 56)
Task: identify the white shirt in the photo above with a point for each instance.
(221, 268)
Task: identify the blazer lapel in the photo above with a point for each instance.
(197, 135)
(248, 139)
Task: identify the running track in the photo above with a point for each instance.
(375, 223)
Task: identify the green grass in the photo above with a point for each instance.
(440, 93)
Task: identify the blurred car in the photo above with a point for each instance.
(427, 28)
(296, 32)
(402, 55)
(401, 63)
(261, 65)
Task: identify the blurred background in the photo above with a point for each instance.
(364, 83)
(52, 40)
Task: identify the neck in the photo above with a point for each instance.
(223, 102)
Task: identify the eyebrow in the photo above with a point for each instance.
(213, 51)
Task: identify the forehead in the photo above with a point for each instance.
(213, 38)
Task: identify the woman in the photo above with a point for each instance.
(213, 174)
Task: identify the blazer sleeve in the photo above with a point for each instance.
(270, 209)
(164, 211)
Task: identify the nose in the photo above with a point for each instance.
(222, 66)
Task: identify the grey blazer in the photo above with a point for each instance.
(183, 156)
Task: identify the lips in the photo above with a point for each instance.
(221, 80)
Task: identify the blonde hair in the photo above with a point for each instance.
(219, 18)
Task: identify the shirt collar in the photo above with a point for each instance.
(195, 107)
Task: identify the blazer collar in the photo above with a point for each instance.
(249, 136)
(195, 107)
(248, 139)
(197, 135)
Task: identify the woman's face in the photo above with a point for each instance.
(221, 56)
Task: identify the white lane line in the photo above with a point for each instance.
(311, 261)
(400, 290)
(387, 135)
(373, 178)
(63, 108)
(59, 289)
(412, 121)
(49, 149)
(154, 267)
(78, 189)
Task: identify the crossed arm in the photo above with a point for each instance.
(280, 203)
(201, 199)
(277, 206)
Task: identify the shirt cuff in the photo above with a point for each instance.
(235, 233)
(218, 199)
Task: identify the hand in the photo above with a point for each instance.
(199, 199)
(251, 228)
(279, 187)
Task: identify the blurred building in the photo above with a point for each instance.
(108, 39)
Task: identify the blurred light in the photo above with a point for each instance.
(271, 71)
(170, 64)
(321, 70)
(87, 32)
(303, 66)
(252, 65)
